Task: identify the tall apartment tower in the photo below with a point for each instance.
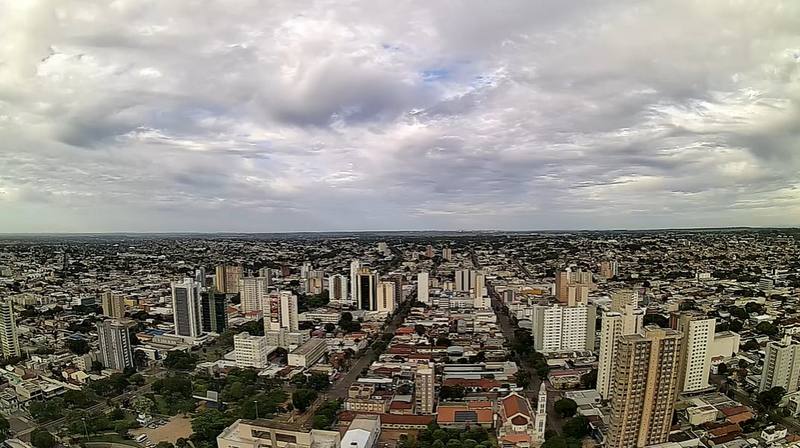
(422, 288)
(252, 292)
(429, 251)
(226, 279)
(447, 253)
(464, 280)
(698, 336)
(314, 282)
(608, 269)
(9, 340)
(561, 328)
(337, 287)
(116, 351)
(781, 366)
(614, 325)
(280, 312)
(479, 288)
(186, 308)
(214, 311)
(355, 266)
(366, 290)
(572, 287)
(386, 297)
(250, 351)
(645, 387)
(424, 382)
(113, 305)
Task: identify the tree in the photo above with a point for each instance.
(442, 341)
(523, 379)
(722, 369)
(78, 346)
(754, 308)
(750, 345)
(739, 313)
(318, 381)
(566, 407)
(329, 327)
(40, 438)
(5, 427)
(736, 325)
(178, 360)
(143, 405)
(771, 398)
(555, 442)
(302, 398)
(419, 329)
(208, 424)
(577, 427)
(767, 328)
(163, 444)
(589, 380)
(451, 392)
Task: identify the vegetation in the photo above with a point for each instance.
(435, 437)
(302, 398)
(347, 324)
(566, 407)
(40, 438)
(177, 360)
(770, 398)
(78, 346)
(326, 414)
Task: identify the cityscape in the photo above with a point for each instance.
(673, 338)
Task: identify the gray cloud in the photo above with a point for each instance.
(270, 116)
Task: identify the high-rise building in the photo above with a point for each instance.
(186, 308)
(214, 311)
(422, 288)
(280, 312)
(464, 280)
(116, 351)
(608, 269)
(267, 274)
(113, 305)
(226, 279)
(9, 339)
(252, 293)
(622, 298)
(305, 269)
(559, 328)
(314, 282)
(781, 366)
(447, 254)
(572, 287)
(645, 387)
(337, 288)
(386, 297)
(479, 288)
(429, 251)
(355, 266)
(614, 325)
(424, 383)
(698, 335)
(366, 290)
(250, 351)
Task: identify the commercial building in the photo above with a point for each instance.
(280, 312)
(186, 308)
(355, 267)
(269, 433)
(116, 351)
(563, 328)
(252, 292)
(113, 305)
(422, 288)
(337, 288)
(424, 387)
(9, 339)
(226, 279)
(309, 353)
(698, 336)
(781, 366)
(366, 290)
(214, 311)
(363, 432)
(645, 386)
(251, 351)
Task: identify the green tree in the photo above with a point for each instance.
(78, 346)
(523, 379)
(163, 444)
(419, 329)
(751, 345)
(329, 327)
(767, 328)
(771, 398)
(736, 325)
(40, 438)
(5, 427)
(143, 405)
(208, 424)
(178, 360)
(566, 407)
(577, 427)
(302, 398)
(318, 381)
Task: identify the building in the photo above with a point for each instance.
(337, 288)
(113, 305)
(465, 280)
(226, 279)
(422, 288)
(781, 366)
(698, 336)
(355, 267)
(251, 351)
(447, 253)
(429, 251)
(424, 388)
(186, 308)
(284, 338)
(386, 297)
(314, 282)
(362, 398)
(269, 433)
(645, 386)
(280, 312)
(614, 325)
(309, 353)
(479, 288)
(366, 290)
(9, 339)
(116, 351)
(363, 432)
(214, 311)
(252, 293)
(572, 287)
(558, 328)
(517, 425)
(608, 269)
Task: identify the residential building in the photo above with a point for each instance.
(252, 293)
(563, 328)
(186, 308)
(698, 336)
(366, 289)
(614, 325)
(572, 287)
(608, 269)
(113, 305)
(355, 267)
(386, 297)
(337, 288)
(424, 387)
(280, 311)
(447, 253)
(9, 339)
(363, 432)
(645, 386)
(781, 365)
(226, 278)
(422, 288)
(116, 351)
(250, 351)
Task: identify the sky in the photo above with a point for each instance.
(268, 116)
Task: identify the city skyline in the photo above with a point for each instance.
(368, 116)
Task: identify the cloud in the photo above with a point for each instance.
(279, 116)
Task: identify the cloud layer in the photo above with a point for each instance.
(330, 115)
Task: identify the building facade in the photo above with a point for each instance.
(116, 351)
(186, 308)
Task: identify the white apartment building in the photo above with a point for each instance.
(280, 311)
(253, 291)
(698, 336)
(563, 328)
(424, 382)
(423, 283)
(9, 339)
(781, 366)
(614, 325)
(250, 351)
(386, 298)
